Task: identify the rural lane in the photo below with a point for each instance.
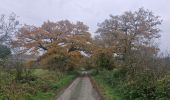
(80, 89)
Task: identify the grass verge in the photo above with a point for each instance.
(42, 85)
(105, 90)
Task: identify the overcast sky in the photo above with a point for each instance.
(91, 12)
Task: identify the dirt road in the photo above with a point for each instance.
(80, 89)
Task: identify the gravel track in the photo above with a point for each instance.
(80, 89)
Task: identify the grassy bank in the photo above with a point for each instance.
(115, 85)
(107, 92)
(41, 85)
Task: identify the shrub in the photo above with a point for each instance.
(163, 88)
(143, 86)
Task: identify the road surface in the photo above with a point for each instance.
(80, 89)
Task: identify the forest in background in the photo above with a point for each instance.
(123, 57)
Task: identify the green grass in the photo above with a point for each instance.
(43, 87)
(40, 72)
(39, 96)
(106, 91)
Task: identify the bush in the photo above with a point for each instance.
(143, 86)
(113, 77)
(35, 84)
(163, 88)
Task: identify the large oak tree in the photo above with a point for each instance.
(130, 31)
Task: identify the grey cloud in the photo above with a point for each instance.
(89, 11)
